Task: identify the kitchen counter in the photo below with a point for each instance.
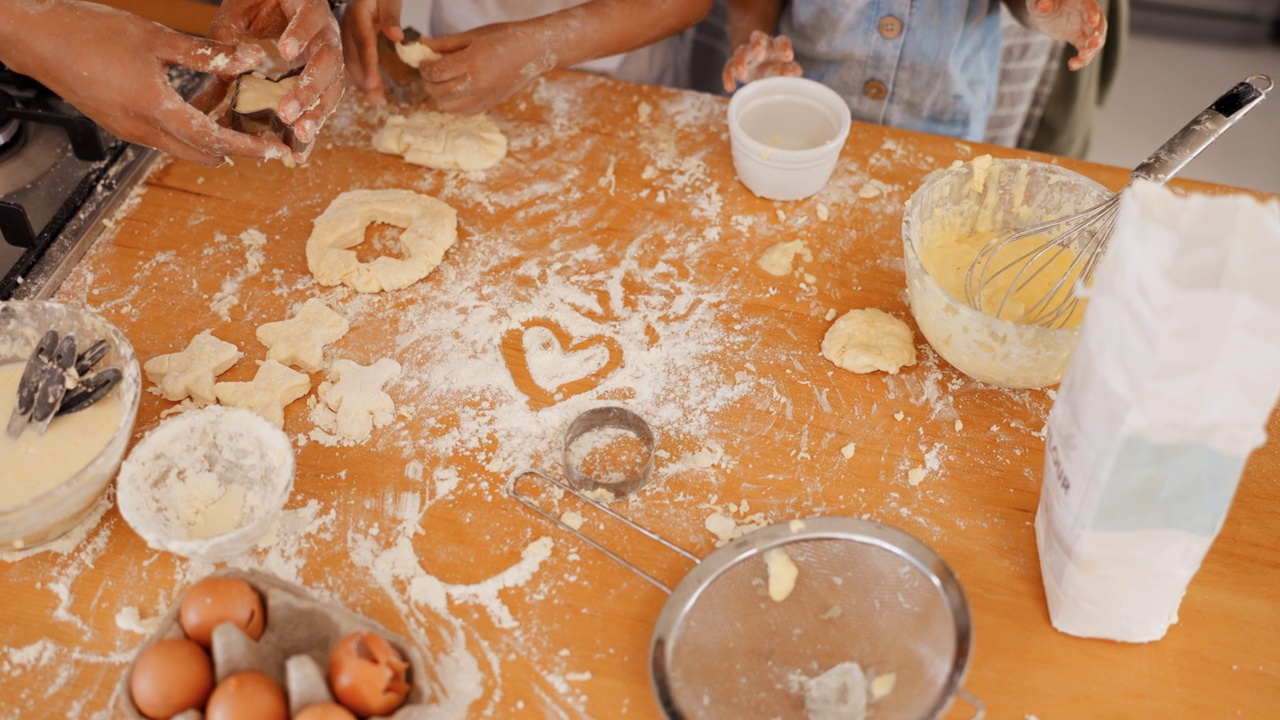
(612, 256)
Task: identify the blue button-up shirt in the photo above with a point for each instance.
(935, 70)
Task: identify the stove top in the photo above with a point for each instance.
(60, 175)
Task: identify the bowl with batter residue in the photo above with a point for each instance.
(50, 481)
(786, 134)
(945, 223)
(207, 484)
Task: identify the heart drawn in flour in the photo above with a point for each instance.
(548, 365)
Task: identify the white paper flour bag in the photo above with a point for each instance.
(1169, 389)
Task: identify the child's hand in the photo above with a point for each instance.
(763, 57)
(1079, 22)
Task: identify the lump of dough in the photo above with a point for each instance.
(864, 341)
(191, 371)
(777, 260)
(443, 141)
(430, 228)
(300, 340)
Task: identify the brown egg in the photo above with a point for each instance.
(215, 600)
(247, 695)
(169, 677)
(325, 711)
(368, 675)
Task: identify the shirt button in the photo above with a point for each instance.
(890, 27)
(875, 90)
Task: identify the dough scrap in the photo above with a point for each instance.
(272, 388)
(190, 373)
(354, 393)
(867, 340)
(782, 573)
(300, 340)
(443, 141)
(430, 228)
(777, 260)
(415, 53)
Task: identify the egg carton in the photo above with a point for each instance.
(300, 633)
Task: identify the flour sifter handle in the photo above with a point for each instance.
(1196, 135)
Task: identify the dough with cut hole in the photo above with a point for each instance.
(300, 340)
(430, 228)
(354, 393)
(191, 372)
(415, 53)
(867, 340)
(443, 141)
(271, 389)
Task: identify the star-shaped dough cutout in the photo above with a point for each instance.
(300, 340)
(354, 393)
(191, 372)
(271, 389)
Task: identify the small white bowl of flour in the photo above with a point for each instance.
(207, 484)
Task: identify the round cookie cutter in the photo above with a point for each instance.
(863, 592)
(603, 418)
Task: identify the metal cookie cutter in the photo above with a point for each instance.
(599, 419)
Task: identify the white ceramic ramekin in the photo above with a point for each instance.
(786, 134)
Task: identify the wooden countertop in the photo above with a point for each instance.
(626, 230)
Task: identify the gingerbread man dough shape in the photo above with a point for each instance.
(354, 393)
(272, 388)
(191, 372)
(430, 228)
(300, 340)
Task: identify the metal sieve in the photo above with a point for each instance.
(863, 593)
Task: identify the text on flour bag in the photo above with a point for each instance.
(1170, 387)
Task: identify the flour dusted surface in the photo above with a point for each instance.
(744, 409)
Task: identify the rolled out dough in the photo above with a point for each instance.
(430, 228)
(443, 141)
(864, 341)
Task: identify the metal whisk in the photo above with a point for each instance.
(1079, 240)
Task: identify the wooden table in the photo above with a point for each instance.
(569, 231)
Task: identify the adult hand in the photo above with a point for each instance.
(113, 67)
(307, 33)
(361, 23)
(485, 66)
(762, 57)
(1079, 22)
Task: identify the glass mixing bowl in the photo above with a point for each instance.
(55, 511)
(989, 195)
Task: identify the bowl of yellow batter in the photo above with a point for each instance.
(49, 481)
(948, 219)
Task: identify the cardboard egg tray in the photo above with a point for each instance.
(294, 649)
